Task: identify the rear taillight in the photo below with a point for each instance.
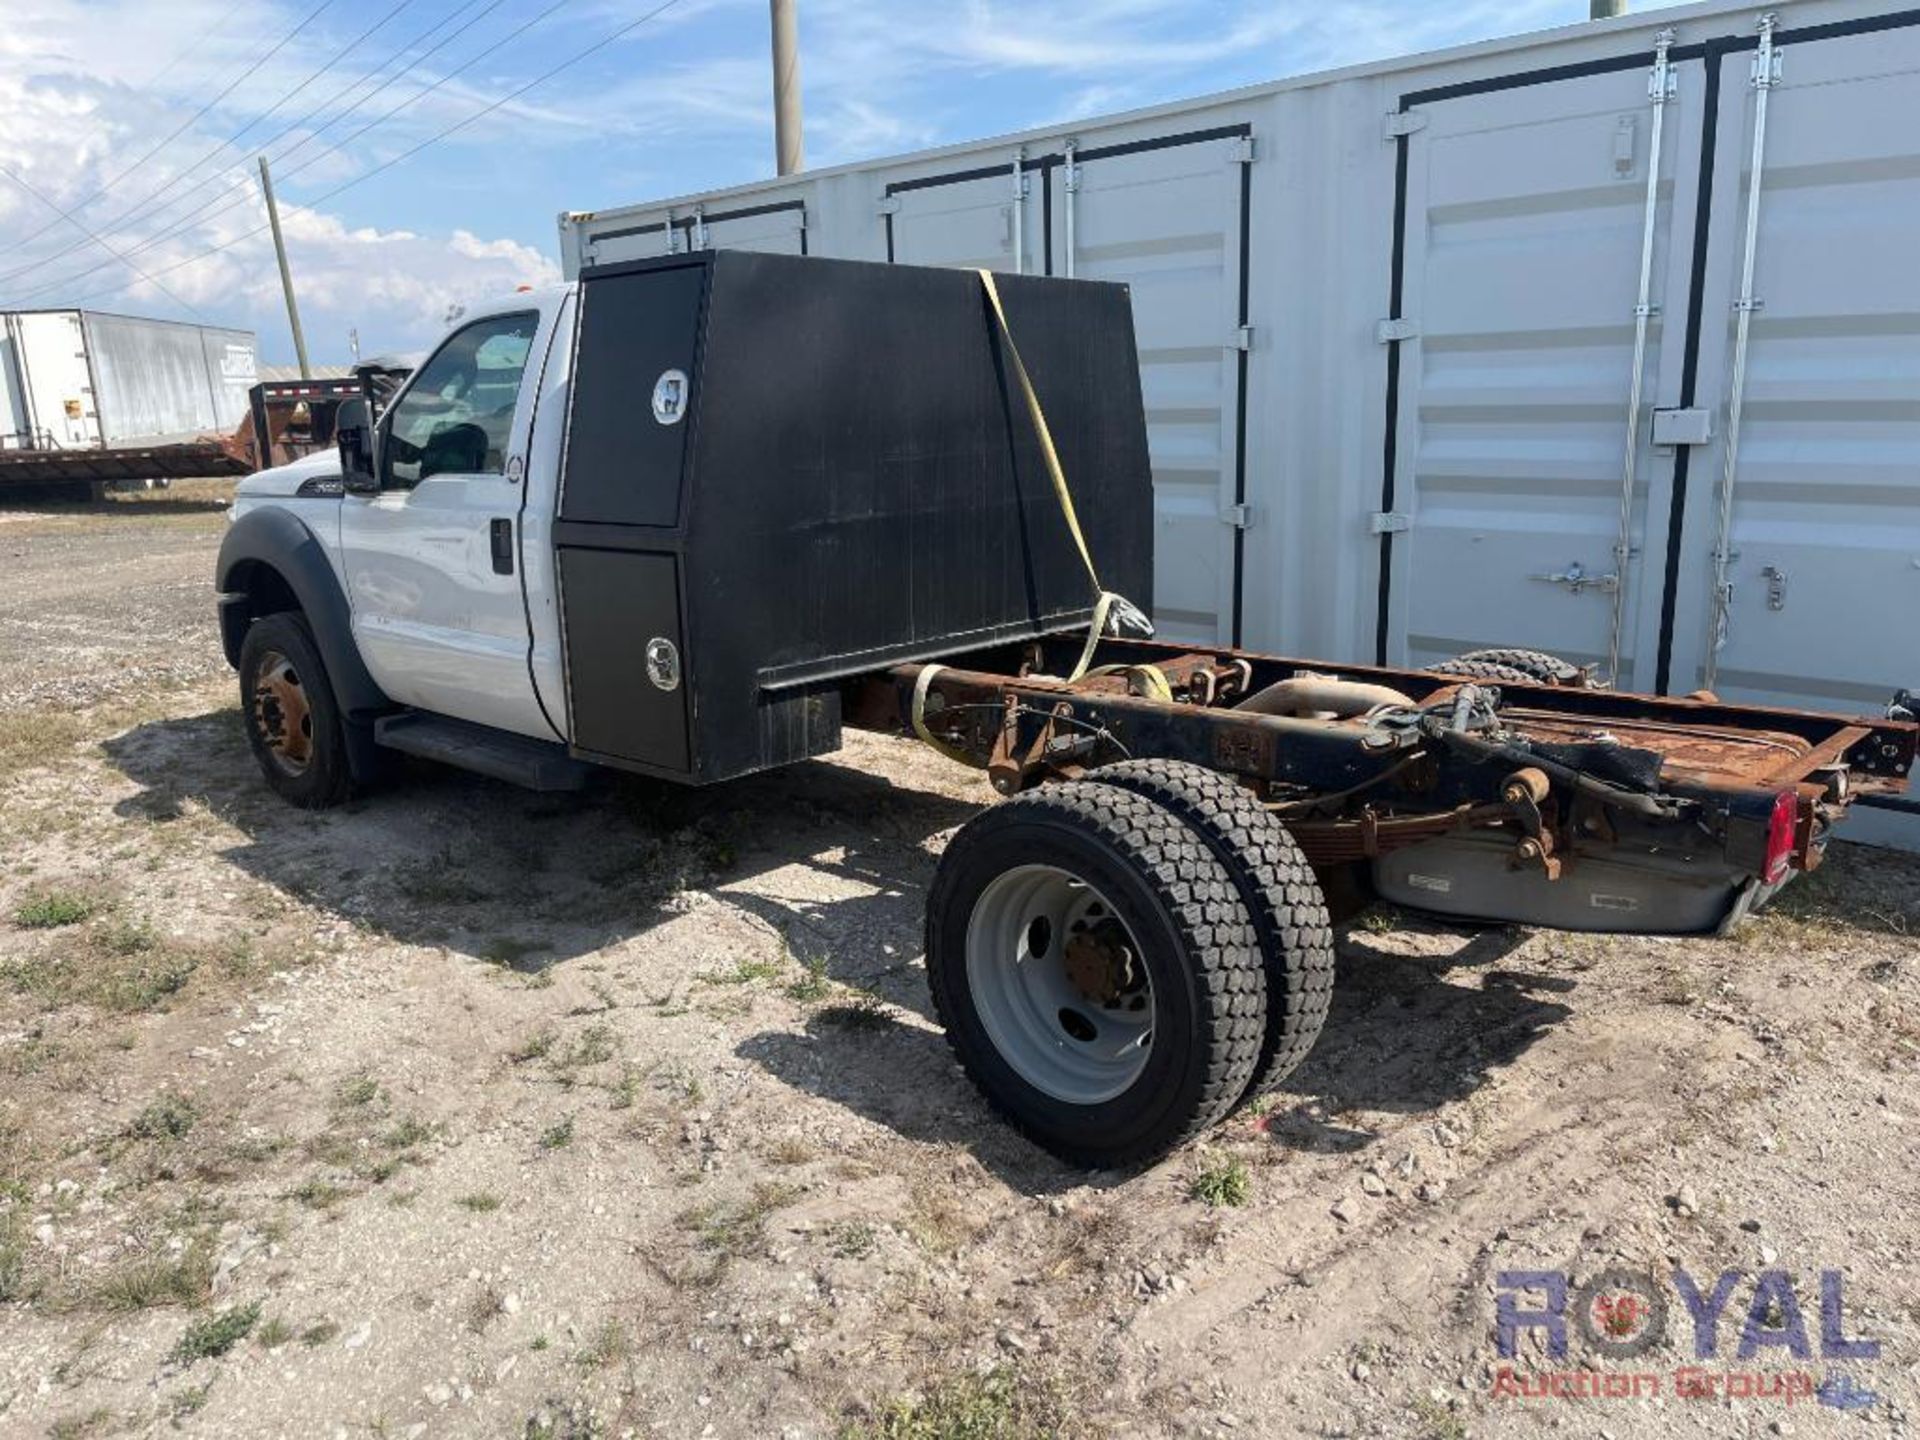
(1780, 829)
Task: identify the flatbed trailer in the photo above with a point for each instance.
(84, 474)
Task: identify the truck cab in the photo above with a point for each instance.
(441, 566)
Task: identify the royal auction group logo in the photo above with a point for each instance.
(1623, 1316)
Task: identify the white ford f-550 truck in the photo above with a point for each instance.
(691, 517)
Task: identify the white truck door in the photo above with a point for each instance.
(432, 561)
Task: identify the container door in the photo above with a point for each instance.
(978, 220)
(1166, 219)
(1524, 212)
(63, 410)
(1823, 574)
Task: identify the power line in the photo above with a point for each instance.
(69, 217)
(480, 114)
(233, 140)
(141, 209)
(398, 59)
(234, 197)
(241, 192)
(189, 122)
(139, 92)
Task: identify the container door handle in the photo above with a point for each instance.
(503, 547)
(1576, 579)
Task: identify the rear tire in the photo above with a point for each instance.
(1483, 670)
(1098, 899)
(1276, 884)
(292, 719)
(1530, 667)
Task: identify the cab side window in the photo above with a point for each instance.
(457, 416)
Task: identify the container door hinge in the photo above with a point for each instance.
(1241, 339)
(1389, 331)
(1403, 122)
(1242, 151)
(1240, 517)
(889, 205)
(1390, 522)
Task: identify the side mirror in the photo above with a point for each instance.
(353, 429)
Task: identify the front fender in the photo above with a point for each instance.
(278, 540)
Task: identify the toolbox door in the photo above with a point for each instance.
(633, 395)
(626, 686)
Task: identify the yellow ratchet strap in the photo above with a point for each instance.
(919, 718)
(1152, 679)
(1105, 599)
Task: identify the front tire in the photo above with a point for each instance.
(1096, 971)
(292, 720)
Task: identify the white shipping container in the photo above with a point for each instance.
(1391, 318)
(80, 379)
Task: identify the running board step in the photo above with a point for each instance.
(534, 764)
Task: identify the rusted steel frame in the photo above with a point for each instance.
(1368, 836)
(969, 709)
(1827, 754)
(1903, 737)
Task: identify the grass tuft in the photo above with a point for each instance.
(1001, 1404)
(168, 1118)
(156, 1280)
(217, 1334)
(53, 908)
(1224, 1180)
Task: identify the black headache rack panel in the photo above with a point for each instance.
(781, 472)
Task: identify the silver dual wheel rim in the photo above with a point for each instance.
(1059, 984)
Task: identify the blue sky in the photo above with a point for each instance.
(114, 111)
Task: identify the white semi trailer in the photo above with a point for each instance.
(1497, 345)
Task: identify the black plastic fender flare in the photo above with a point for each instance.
(278, 539)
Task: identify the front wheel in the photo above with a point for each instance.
(1096, 971)
(292, 719)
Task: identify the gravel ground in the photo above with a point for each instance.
(461, 1111)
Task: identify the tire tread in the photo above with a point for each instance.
(1278, 887)
(1205, 907)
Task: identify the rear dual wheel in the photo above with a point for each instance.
(1100, 972)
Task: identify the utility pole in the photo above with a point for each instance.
(788, 150)
(286, 275)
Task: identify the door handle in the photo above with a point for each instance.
(502, 547)
(1576, 579)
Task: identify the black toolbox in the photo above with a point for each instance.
(781, 472)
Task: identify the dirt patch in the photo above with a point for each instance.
(465, 1111)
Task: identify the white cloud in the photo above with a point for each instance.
(74, 117)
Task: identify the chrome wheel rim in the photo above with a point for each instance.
(1060, 984)
(282, 715)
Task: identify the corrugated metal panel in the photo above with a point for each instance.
(1825, 545)
(152, 378)
(61, 403)
(80, 378)
(1519, 179)
(232, 371)
(1525, 214)
(1165, 220)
